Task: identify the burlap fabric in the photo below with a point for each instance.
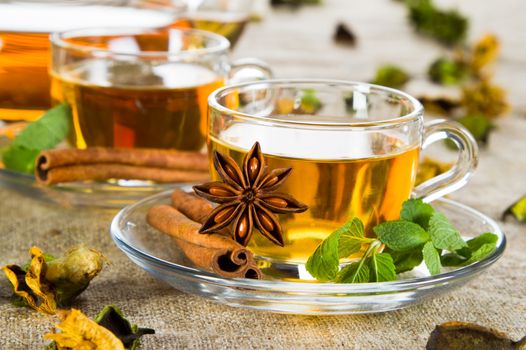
(495, 299)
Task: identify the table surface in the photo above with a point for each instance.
(298, 44)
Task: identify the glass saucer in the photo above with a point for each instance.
(116, 194)
(287, 291)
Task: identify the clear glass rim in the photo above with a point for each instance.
(415, 114)
(58, 39)
(308, 287)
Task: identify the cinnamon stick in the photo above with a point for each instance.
(215, 252)
(194, 207)
(98, 163)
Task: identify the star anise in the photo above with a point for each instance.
(247, 198)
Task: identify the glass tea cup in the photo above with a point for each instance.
(25, 26)
(354, 149)
(225, 17)
(131, 87)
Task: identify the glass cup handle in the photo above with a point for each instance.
(249, 69)
(459, 174)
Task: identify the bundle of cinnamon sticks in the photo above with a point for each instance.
(99, 163)
(216, 252)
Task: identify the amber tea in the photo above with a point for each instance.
(24, 46)
(24, 80)
(137, 105)
(367, 183)
(224, 17)
(230, 26)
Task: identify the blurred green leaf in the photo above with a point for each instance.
(517, 210)
(446, 71)
(391, 76)
(448, 27)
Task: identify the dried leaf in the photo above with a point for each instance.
(344, 35)
(46, 282)
(294, 3)
(112, 318)
(469, 336)
(71, 274)
(30, 285)
(429, 168)
(486, 99)
(517, 210)
(485, 52)
(80, 332)
(440, 105)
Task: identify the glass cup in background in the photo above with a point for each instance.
(224, 17)
(132, 87)
(354, 149)
(25, 26)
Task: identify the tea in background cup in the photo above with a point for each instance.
(24, 42)
(140, 88)
(354, 149)
(225, 17)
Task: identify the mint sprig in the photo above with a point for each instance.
(421, 235)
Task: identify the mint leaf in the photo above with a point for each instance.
(357, 272)
(351, 237)
(406, 261)
(443, 234)
(47, 132)
(20, 158)
(482, 252)
(476, 249)
(431, 258)
(381, 268)
(401, 235)
(452, 259)
(323, 264)
(415, 210)
(475, 243)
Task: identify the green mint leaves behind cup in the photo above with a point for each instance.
(478, 125)
(391, 75)
(421, 235)
(447, 27)
(45, 133)
(447, 71)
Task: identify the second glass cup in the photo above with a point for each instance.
(353, 147)
(141, 87)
